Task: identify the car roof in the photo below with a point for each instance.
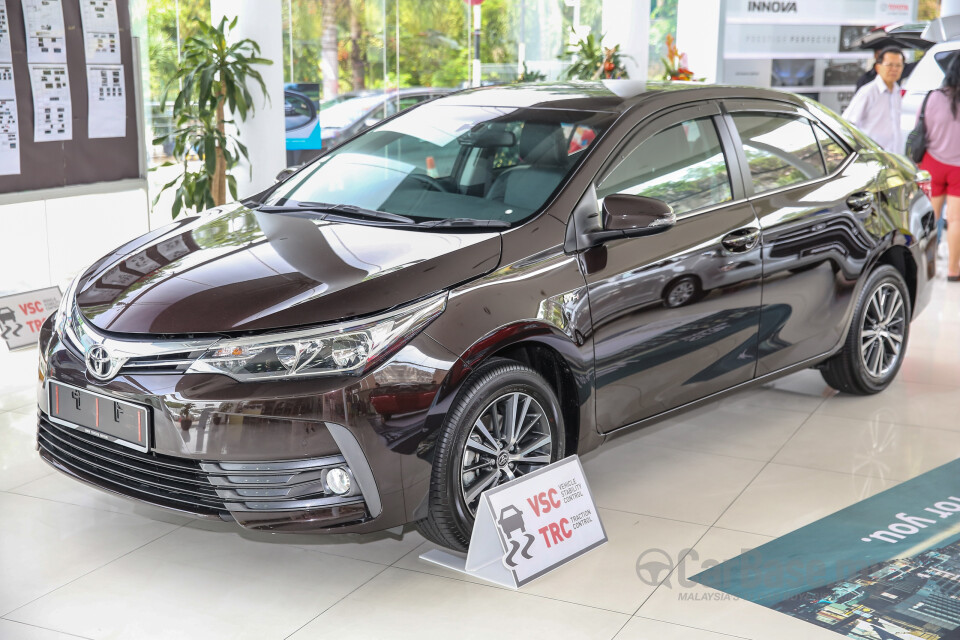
(598, 96)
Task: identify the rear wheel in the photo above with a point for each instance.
(505, 423)
(877, 340)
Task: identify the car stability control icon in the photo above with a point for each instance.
(510, 520)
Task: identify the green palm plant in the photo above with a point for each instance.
(213, 76)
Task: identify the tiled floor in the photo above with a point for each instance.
(702, 487)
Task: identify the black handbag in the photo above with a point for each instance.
(917, 139)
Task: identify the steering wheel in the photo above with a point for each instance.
(429, 181)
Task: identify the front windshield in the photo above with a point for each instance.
(345, 113)
(439, 162)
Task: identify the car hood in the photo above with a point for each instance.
(244, 270)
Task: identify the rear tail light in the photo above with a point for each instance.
(923, 181)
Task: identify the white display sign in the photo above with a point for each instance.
(43, 20)
(529, 527)
(107, 102)
(783, 41)
(858, 12)
(22, 315)
(52, 108)
(9, 125)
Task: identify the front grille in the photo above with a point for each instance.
(203, 488)
(161, 363)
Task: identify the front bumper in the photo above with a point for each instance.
(256, 453)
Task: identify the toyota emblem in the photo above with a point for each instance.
(99, 362)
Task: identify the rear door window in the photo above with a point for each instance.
(781, 149)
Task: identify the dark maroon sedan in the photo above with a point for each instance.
(475, 288)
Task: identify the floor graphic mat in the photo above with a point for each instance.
(886, 568)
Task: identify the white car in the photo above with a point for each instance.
(930, 70)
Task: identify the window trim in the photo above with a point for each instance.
(826, 132)
(779, 109)
(648, 128)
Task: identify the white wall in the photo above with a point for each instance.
(699, 32)
(627, 23)
(47, 240)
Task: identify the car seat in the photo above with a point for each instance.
(543, 164)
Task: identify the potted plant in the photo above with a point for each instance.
(213, 76)
(593, 61)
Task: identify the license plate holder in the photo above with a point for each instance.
(118, 421)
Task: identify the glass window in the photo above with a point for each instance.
(442, 161)
(682, 166)
(781, 150)
(833, 152)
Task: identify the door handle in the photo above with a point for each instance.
(860, 202)
(741, 240)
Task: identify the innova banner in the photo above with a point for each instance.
(866, 12)
(885, 568)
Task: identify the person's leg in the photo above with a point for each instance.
(937, 202)
(953, 235)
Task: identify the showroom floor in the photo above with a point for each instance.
(725, 478)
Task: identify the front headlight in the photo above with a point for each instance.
(66, 307)
(344, 349)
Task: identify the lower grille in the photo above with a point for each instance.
(169, 482)
(202, 488)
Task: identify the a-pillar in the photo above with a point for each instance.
(627, 23)
(263, 132)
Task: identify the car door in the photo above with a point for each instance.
(675, 315)
(811, 195)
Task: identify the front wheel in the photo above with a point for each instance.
(505, 423)
(874, 348)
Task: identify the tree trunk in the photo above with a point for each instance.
(219, 183)
(329, 66)
(358, 56)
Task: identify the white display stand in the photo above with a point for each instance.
(528, 527)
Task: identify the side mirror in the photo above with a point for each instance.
(626, 216)
(285, 173)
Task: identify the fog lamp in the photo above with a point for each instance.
(338, 481)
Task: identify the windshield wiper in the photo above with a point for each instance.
(346, 210)
(466, 222)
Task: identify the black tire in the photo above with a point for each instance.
(849, 371)
(449, 520)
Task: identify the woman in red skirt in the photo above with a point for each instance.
(942, 159)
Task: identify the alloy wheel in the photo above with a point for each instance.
(882, 331)
(681, 293)
(510, 438)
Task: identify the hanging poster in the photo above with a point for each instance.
(9, 128)
(5, 55)
(52, 111)
(43, 20)
(107, 101)
(101, 31)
